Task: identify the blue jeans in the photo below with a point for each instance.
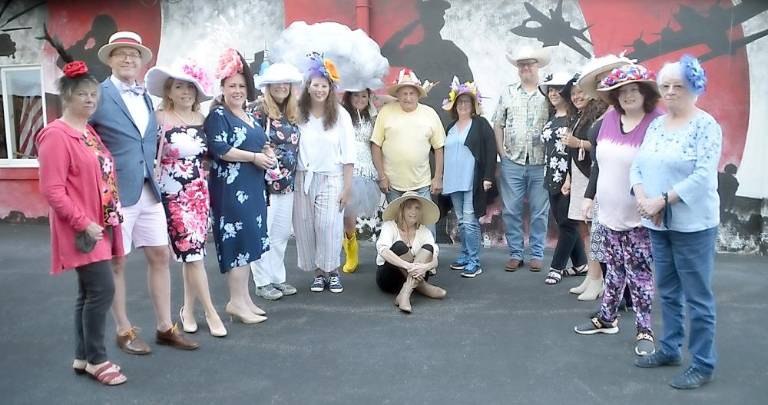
(469, 227)
(518, 181)
(425, 192)
(684, 265)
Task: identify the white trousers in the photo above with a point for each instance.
(317, 221)
(270, 269)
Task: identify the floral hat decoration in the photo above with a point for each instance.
(407, 77)
(623, 75)
(322, 66)
(230, 64)
(693, 74)
(187, 70)
(457, 89)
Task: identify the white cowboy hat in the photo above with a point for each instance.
(407, 77)
(124, 39)
(188, 72)
(278, 73)
(596, 69)
(430, 214)
(540, 55)
(558, 79)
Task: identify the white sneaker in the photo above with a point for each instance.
(269, 292)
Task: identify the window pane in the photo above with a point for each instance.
(3, 146)
(26, 111)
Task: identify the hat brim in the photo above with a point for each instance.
(540, 56)
(603, 93)
(392, 91)
(589, 80)
(449, 105)
(106, 50)
(430, 214)
(156, 77)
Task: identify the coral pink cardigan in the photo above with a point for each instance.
(70, 180)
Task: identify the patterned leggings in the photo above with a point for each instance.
(628, 258)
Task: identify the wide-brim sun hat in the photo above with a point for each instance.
(430, 214)
(279, 73)
(187, 71)
(540, 55)
(459, 89)
(407, 77)
(624, 75)
(123, 39)
(596, 69)
(557, 79)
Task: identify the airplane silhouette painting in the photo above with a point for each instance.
(7, 45)
(552, 30)
(711, 28)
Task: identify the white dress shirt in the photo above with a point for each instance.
(135, 103)
(326, 151)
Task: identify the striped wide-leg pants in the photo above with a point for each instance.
(318, 223)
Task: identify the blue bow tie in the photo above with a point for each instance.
(135, 89)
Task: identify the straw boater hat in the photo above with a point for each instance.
(188, 71)
(559, 79)
(430, 214)
(541, 55)
(624, 75)
(596, 69)
(407, 77)
(457, 89)
(124, 39)
(279, 73)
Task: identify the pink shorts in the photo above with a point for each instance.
(144, 222)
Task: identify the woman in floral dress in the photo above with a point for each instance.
(237, 187)
(182, 178)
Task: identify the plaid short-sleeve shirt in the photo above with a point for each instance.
(522, 116)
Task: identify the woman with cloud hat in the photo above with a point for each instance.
(407, 252)
(278, 114)
(183, 180)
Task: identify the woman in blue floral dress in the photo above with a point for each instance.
(236, 143)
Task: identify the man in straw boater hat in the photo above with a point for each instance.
(403, 135)
(126, 121)
(518, 122)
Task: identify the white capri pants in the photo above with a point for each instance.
(317, 221)
(270, 269)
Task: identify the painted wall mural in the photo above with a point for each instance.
(441, 38)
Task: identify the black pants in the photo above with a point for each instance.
(569, 242)
(389, 277)
(96, 288)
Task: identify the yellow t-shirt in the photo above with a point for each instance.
(405, 139)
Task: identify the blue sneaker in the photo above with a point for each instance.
(472, 270)
(459, 264)
(334, 283)
(318, 284)
(691, 378)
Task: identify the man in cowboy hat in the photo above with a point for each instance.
(125, 120)
(518, 121)
(403, 135)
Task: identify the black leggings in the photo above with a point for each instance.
(96, 288)
(569, 242)
(389, 277)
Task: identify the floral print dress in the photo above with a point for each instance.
(184, 190)
(555, 153)
(237, 189)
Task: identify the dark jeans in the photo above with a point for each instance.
(389, 277)
(569, 242)
(96, 288)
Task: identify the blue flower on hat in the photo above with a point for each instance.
(694, 74)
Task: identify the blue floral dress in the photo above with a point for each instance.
(238, 198)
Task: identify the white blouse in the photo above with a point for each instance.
(390, 234)
(326, 151)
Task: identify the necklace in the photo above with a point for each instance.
(182, 119)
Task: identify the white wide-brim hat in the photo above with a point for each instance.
(558, 79)
(122, 39)
(279, 73)
(430, 214)
(596, 69)
(540, 55)
(156, 77)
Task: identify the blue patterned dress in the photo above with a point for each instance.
(238, 199)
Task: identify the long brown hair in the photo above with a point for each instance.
(330, 107)
(288, 108)
(365, 114)
(591, 112)
(650, 98)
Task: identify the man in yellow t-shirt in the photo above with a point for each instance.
(403, 136)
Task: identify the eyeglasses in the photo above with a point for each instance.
(129, 55)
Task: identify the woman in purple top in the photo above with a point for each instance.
(632, 92)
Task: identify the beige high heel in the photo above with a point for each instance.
(581, 287)
(248, 318)
(216, 328)
(593, 291)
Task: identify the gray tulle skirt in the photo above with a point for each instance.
(365, 199)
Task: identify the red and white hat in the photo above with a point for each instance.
(124, 39)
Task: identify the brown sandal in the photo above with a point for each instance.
(108, 374)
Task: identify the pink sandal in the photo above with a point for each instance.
(108, 374)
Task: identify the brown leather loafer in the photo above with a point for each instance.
(513, 265)
(535, 264)
(131, 343)
(173, 338)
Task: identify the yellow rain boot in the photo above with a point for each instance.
(350, 252)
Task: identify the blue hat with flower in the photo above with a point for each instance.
(320, 66)
(693, 74)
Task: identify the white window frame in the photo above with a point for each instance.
(11, 160)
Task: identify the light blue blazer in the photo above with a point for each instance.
(134, 155)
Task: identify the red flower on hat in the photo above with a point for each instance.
(75, 69)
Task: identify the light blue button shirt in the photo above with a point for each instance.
(459, 164)
(685, 160)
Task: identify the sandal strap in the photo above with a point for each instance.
(644, 336)
(107, 373)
